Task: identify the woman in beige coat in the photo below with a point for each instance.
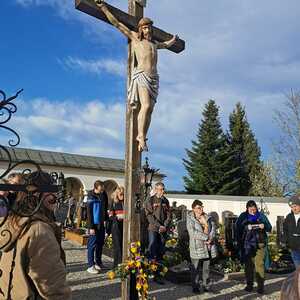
(32, 263)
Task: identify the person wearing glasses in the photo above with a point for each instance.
(251, 235)
(202, 234)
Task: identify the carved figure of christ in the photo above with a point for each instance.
(143, 88)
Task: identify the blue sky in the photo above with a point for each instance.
(73, 69)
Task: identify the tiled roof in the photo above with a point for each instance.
(52, 158)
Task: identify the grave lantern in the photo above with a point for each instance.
(147, 175)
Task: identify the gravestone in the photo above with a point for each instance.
(279, 231)
(215, 218)
(230, 232)
(226, 214)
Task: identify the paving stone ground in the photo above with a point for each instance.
(86, 286)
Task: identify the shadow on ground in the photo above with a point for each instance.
(98, 293)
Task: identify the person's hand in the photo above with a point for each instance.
(261, 226)
(162, 229)
(249, 227)
(208, 242)
(92, 231)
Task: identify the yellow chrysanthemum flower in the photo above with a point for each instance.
(111, 275)
(153, 267)
(133, 250)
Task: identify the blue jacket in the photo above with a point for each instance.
(97, 206)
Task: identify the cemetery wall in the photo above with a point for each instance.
(275, 206)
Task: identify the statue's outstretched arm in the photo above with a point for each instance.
(168, 43)
(113, 20)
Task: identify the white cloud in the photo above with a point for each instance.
(98, 67)
(90, 128)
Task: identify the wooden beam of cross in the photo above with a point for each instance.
(133, 220)
(89, 7)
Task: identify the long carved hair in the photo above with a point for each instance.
(143, 22)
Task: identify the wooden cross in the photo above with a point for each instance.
(132, 222)
(130, 20)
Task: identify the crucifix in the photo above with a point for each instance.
(143, 42)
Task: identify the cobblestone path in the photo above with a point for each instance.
(86, 286)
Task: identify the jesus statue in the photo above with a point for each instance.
(144, 83)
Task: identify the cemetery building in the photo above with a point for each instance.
(80, 171)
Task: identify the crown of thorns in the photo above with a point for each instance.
(145, 21)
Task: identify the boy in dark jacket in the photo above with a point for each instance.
(96, 217)
(291, 229)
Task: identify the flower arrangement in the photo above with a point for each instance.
(172, 259)
(171, 243)
(83, 224)
(141, 267)
(229, 265)
(280, 259)
(108, 242)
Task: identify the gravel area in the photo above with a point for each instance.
(86, 286)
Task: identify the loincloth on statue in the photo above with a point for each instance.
(140, 78)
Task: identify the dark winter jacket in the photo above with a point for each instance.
(248, 240)
(292, 232)
(158, 212)
(97, 203)
(116, 215)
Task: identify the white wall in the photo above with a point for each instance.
(234, 205)
(86, 176)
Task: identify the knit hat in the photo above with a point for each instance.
(294, 200)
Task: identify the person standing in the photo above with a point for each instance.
(33, 261)
(71, 210)
(158, 214)
(96, 217)
(251, 233)
(116, 218)
(202, 234)
(291, 229)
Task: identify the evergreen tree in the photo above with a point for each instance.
(244, 153)
(205, 163)
(265, 182)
